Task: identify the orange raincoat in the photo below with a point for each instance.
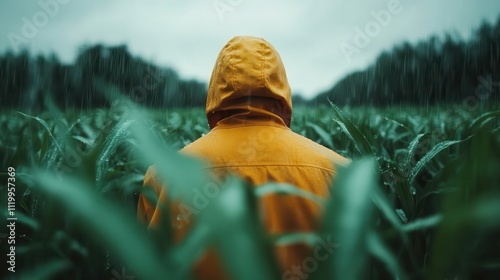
(249, 110)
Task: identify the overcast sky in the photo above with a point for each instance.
(316, 39)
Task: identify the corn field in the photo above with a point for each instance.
(421, 199)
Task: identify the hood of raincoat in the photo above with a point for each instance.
(248, 84)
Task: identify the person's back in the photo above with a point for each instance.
(249, 112)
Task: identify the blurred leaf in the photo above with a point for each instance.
(424, 223)
(107, 222)
(191, 249)
(310, 239)
(236, 231)
(455, 230)
(383, 204)
(350, 219)
(287, 189)
(170, 166)
(378, 249)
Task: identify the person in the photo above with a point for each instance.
(249, 109)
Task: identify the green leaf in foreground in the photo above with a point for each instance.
(170, 166)
(423, 223)
(231, 223)
(350, 219)
(108, 223)
(287, 189)
(378, 249)
(452, 240)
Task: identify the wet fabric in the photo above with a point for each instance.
(249, 109)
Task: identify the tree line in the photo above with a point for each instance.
(434, 71)
(98, 73)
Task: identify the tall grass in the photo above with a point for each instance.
(421, 199)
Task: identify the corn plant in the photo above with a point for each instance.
(421, 199)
